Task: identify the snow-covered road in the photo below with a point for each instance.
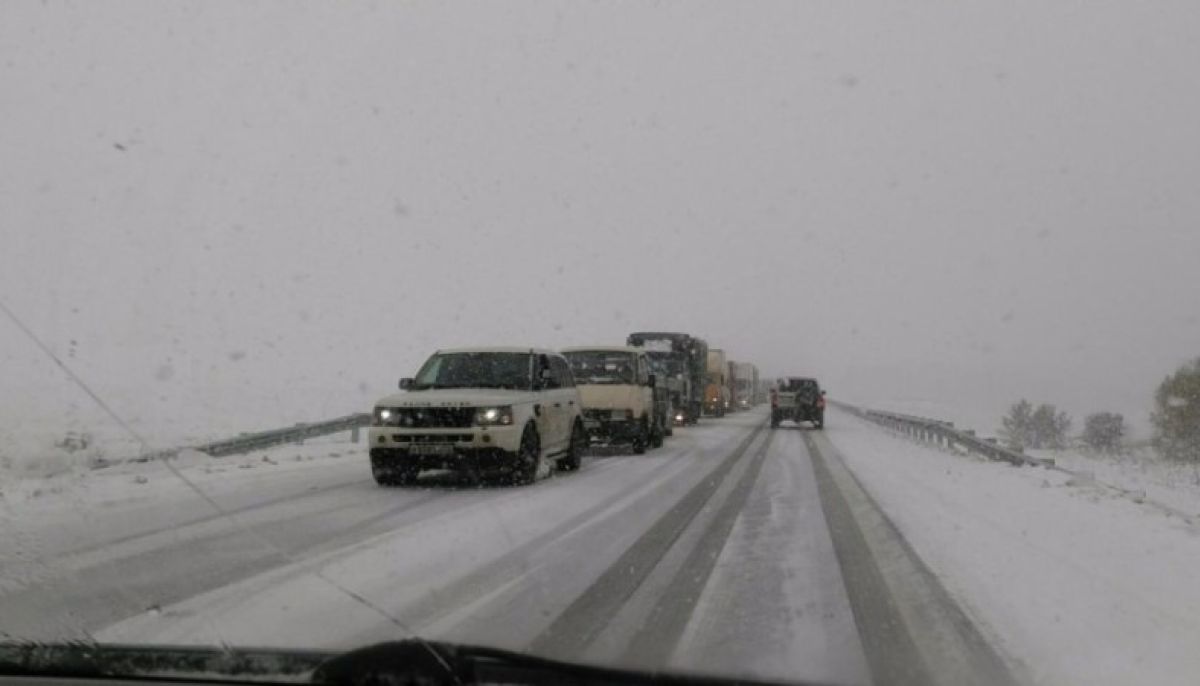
(708, 554)
(789, 554)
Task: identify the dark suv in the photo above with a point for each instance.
(799, 399)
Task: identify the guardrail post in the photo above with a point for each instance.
(354, 434)
(300, 439)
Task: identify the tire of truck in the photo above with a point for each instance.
(642, 438)
(775, 419)
(574, 457)
(656, 436)
(819, 422)
(528, 457)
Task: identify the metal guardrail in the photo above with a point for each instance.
(257, 440)
(944, 434)
(265, 439)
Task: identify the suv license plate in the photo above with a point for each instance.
(432, 449)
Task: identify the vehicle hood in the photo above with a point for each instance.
(610, 396)
(457, 397)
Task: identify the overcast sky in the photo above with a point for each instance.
(226, 215)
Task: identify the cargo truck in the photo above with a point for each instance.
(745, 385)
(716, 392)
(680, 362)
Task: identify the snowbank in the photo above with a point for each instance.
(1084, 585)
(1140, 471)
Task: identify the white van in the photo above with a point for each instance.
(619, 396)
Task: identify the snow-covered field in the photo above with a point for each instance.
(1083, 585)
(1140, 471)
(81, 507)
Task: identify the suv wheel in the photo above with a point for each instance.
(529, 457)
(574, 456)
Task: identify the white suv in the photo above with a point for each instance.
(514, 411)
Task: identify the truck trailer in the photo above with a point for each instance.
(716, 392)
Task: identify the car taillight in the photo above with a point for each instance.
(820, 403)
(774, 399)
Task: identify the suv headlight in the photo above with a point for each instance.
(385, 416)
(494, 416)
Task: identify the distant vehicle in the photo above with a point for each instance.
(680, 361)
(621, 403)
(745, 383)
(798, 399)
(716, 393)
(513, 411)
(762, 391)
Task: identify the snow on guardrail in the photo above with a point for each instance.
(944, 434)
(258, 440)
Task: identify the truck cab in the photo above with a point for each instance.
(621, 402)
(680, 362)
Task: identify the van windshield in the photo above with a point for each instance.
(600, 367)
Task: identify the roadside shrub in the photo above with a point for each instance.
(1018, 425)
(1104, 431)
(1042, 427)
(1176, 416)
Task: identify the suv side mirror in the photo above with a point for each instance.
(405, 384)
(652, 380)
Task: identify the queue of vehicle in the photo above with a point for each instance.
(522, 413)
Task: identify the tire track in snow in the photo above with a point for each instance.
(656, 641)
(912, 630)
(444, 602)
(579, 624)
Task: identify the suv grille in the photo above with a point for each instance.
(433, 417)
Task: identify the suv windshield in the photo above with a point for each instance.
(475, 370)
(603, 367)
